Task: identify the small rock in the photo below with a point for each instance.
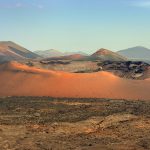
(37, 114)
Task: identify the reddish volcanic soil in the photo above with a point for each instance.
(20, 80)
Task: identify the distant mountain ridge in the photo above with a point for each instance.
(101, 54)
(49, 53)
(137, 53)
(56, 53)
(12, 51)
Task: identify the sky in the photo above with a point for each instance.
(76, 25)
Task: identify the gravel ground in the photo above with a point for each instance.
(43, 123)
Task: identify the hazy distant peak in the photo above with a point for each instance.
(50, 50)
(56, 53)
(137, 52)
(139, 47)
(136, 48)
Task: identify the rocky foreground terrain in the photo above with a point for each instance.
(34, 123)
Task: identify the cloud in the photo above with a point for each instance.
(141, 3)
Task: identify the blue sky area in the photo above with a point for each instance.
(75, 25)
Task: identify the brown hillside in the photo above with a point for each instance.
(11, 51)
(104, 54)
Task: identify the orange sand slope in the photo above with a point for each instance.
(20, 80)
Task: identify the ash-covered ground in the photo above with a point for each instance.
(43, 123)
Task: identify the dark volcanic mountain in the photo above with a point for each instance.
(104, 54)
(138, 53)
(12, 51)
